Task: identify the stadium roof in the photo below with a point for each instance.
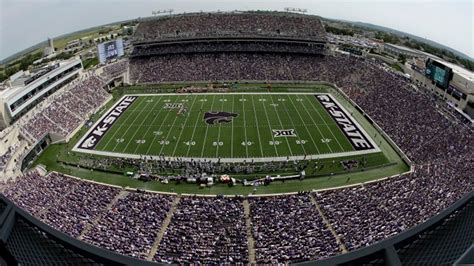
(23, 79)
(404, 48)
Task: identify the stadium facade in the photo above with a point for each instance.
(24, 89)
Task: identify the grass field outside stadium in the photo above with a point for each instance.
(232, 127)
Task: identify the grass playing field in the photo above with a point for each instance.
(271, 126)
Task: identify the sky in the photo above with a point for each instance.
(24, 23)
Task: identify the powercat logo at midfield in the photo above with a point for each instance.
(94, 135)
(212, 118)
(357, 138)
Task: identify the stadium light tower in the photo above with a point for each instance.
(162, 11)
(296, 10)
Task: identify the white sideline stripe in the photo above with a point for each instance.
(232, 160)
(229, 93)
(255, 159)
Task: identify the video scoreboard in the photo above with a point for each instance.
(438, 73)
(110, 50)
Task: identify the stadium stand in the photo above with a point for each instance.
(114, 70)
(5, 157)
(393, 206)
(230, 46)
(317, 225)
(289, 229)
(131, 224)
(230, 24)
(220, 232)
(68, 109)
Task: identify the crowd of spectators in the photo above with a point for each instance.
(285, 228)
(199, 25)
(7, 155)
(39, 125)
(79, 207)
(114, 70)
(366, 214)
(65, 203)
(218, 233)
(65, 111)
(36, 193)
(131, 225)
(288, 229)
(228, 46)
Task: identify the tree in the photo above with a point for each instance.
(3, 77)
(11, 70)
(402, 58)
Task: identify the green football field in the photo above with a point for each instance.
(238, 125)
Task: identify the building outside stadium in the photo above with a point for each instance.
(351, 154)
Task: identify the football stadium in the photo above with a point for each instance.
(243, 137)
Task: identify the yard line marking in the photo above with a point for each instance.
(195, 126)
(170, 130)
(119, 126)
(330, 130)
(302, 146)
(156, 135)
(245, 129)
(129, 126)
(149, 127)
(307, 130)
(312, 119)
(281, 124)
(258, 131)
(232, 133)
(219, 134)
(185, 121)
(270, 128)
(140, 126)
(207, 128)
